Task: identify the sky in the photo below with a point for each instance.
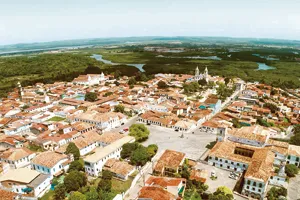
(27, 21)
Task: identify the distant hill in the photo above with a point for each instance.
(29, 47)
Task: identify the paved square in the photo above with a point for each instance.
(191, 144)
(222, 180)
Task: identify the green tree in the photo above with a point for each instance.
(132, 81)
(77, 196)
(91, 96)
(60, 192)
(223, 91)
(107, 175)
(92, 194)
(104, 185)
(73, 149)
(191, 87)
(74, 180)
(108, 94)
(162, 85)
(116, 83)
(139, 131)
(275, 192)
(119, 108)
(226, 80)
(202, 82)
(128, 148)
(291, 170)
(271, 106)
(144, 78)
(117, 74)
(76, 165)
(140, 156)
(236, 123)
(222, 193)
(152, 150)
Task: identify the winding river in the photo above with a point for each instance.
(100, 58)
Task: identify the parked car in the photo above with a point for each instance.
(235, 174)
(233, 177)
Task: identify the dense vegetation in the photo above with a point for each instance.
(138, 154)
(276, 192)
(241, 63)
(139, 131)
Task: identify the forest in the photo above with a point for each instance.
(233, 61)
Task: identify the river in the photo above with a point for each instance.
(263, 66)
(100, 58)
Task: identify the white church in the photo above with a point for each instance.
(90, 79)
(199, 76)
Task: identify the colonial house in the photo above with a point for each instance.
(257, 162)
(119, 169)
(89, 79)
(17, 158)
(51, 163)
(94, 163)
(104, 121)
(155, 193)
(26, 181)
(175, 186)
(17, 127)
(169, 163)
(293, 155)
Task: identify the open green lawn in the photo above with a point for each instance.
(56, 119)
(48, 195)
(118, 186)
(121, 186)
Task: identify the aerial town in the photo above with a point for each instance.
(165, 137)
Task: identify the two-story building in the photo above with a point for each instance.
(17, 158)
(94, 163)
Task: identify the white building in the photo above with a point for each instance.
(104, 121)
(51, 163)
(25, 180)
(293, 155)
(94, 163)
(17, 158)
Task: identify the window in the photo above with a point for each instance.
(253, 188)
(260, 185)
(248, 182)
(238, 164)
(289, 157)
(216, 158)
(226, 161)
(247, 187)
(297, 159)
(254, 183)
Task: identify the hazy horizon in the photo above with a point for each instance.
(34, 21)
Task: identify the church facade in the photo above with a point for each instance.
(199, 76)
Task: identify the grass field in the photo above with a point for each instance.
(56, 119)
(48, 195)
